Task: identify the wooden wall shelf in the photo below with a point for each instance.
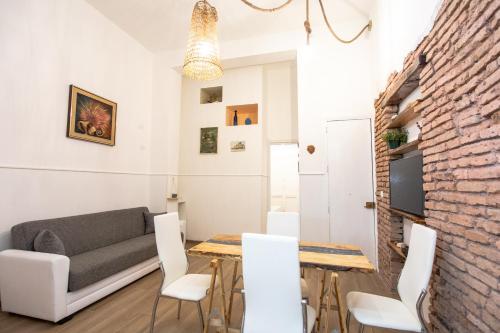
(406, 148)
(396, 249)
(408, 82)
(412, 217)
(250, 111)
(405, 116)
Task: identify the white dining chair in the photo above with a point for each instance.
(405, 315)
(176, 283)
(272, 300)
(287, 224)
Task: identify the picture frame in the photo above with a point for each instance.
(91, 117)
(208, 140)
(238, 146)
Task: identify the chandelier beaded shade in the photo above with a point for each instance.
(202, 56)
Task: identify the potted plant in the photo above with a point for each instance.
(392, 138)
(403, 136)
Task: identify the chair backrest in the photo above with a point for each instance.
(170, 248)
(271, 273)
(283, 224)
(418, 266)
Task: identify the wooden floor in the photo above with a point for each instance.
(129, 309)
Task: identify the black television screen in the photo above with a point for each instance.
(406, 184)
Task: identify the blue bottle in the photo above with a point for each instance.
(235, 118)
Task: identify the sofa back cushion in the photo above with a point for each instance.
(48, 242)
(84, 233)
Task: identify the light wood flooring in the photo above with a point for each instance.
(129, 309)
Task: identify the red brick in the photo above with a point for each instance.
(477, 236)
(471, 186)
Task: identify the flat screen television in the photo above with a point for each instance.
(406, 184)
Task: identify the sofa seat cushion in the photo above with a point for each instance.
(93, 266)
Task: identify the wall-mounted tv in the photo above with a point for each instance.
(406, 184)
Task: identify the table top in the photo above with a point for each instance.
(330, 256)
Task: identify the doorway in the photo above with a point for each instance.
(350, 184)
(284, 177)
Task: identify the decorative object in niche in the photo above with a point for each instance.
(208, 140)
(248, 121)
(311, 149)
(244, 111)
(238, 146)
(211, 95)
(91, 117)
(235, 118)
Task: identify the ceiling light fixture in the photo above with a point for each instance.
(202, 55)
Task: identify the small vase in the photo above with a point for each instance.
(393, 144)
(248, 121)
(235, 118)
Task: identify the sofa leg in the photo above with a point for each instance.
(64, 320)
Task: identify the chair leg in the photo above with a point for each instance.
(361, 328)
(179, 310)
(200, 314)
(348, 320)
(153, 316)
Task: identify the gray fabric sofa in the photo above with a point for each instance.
(98, 245)
(103, 252)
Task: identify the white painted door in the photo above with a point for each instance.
(284, 182)
(350, 177)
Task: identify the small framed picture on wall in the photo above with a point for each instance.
(91, 117)
(208, 140)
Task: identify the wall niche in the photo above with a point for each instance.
(211, 95)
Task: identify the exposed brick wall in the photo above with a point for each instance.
(461, 148)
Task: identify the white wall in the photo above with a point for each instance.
(228, 191)
(335, 81)
(280, 101)
(223, 191)
(46, 46)
(398, 28)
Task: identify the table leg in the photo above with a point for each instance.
(320, 302)
(214, 265)
(329, 300)
(340, 305)
(223, 297)
(231, 296)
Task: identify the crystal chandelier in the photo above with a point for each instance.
(202, 56)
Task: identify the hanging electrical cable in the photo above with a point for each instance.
(307, 22)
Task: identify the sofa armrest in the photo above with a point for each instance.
(34, 284)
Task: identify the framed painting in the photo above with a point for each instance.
(208, 140)
(91, 117)
(238, 146)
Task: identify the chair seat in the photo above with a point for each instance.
(311, 318)
(190, 287)
(379, 311)
(304, 288)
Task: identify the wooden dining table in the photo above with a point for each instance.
(327, 257)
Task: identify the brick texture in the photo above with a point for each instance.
(460, 144)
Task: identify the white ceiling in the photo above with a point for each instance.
(163, 24)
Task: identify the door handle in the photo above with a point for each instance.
(370, 204)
